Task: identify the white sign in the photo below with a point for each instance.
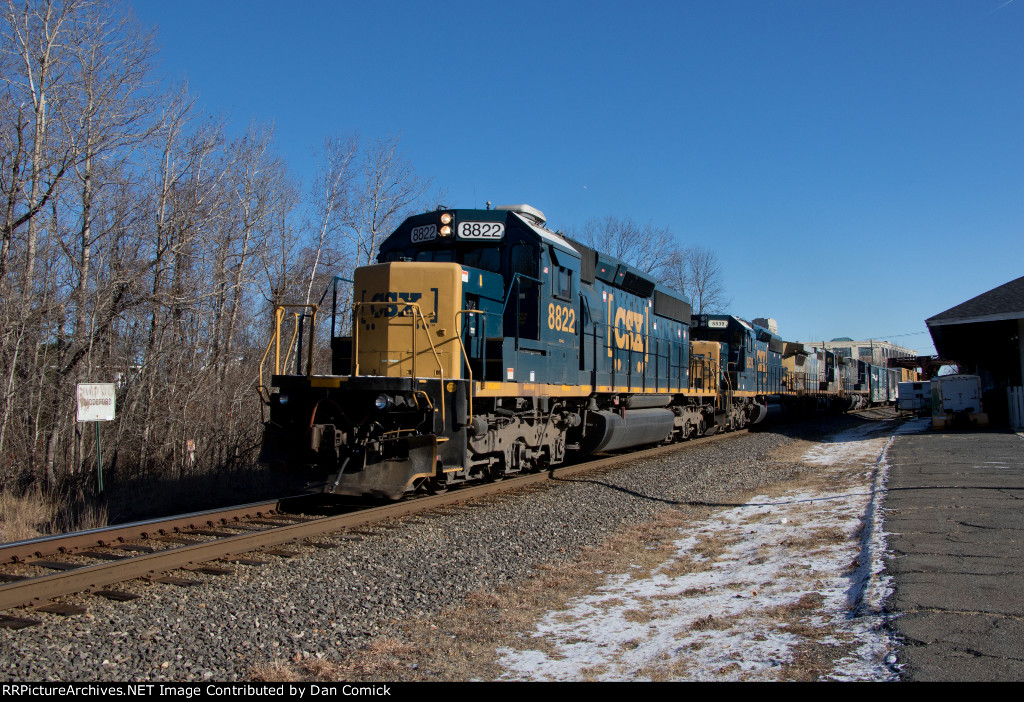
(96, 402)
(491, 231)
(427, 232)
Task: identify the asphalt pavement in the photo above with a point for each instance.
(955, 519)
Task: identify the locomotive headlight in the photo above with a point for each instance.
(282, 399)
(382, 402)
(446, 218)
(446, 231)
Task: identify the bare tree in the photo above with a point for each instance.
(696, 272)
(34, 38)
(331, 193)
(693, 271)
(641, 246)
(37, 154)
(387, 190)
(138, 243)
(105, 115)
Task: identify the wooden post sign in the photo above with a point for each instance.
(96, 404)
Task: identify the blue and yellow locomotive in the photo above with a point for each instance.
(484, 344)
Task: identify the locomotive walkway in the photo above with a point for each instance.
(955, 520)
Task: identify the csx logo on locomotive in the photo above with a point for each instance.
(403, 304)
(632, 337)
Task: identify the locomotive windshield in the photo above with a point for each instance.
(487, 258)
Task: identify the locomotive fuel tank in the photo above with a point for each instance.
(609, 431)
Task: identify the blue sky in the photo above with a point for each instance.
(857, 166)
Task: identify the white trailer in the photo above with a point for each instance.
(957, 399)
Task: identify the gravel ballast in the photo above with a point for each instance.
(326, 601)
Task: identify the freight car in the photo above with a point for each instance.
(484, 344)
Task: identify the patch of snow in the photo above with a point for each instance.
(807, 557)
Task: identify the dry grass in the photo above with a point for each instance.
(809, 602)
(806, 543)
(831, 535)
(277, 671)
(591, 673)
(640, 616)
(24, 517)
(382, 658)
(701, 557)
(666, 670)
(320, 669)
(792, 452)
(37, 514)
(683, 566)
(813, 661)
(711, 623)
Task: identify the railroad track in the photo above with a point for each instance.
(32, 573)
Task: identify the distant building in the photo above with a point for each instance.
(871, 350)
(983, 335)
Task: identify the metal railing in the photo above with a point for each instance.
(298, 333)
(515, 285)
(275, 343)
(706, 371)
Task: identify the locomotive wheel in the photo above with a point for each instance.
(436, 487)
(516, 456)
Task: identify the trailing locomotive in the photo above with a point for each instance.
(484, 344)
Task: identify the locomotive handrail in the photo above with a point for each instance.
(728, 382)
(465, 356)
(469, 371)
(482, 335)
(275, 342)
(334, 297)
(707, 368)
(515, 281)
(278, 362)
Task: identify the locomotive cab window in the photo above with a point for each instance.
(434, 255)
(522, 314)
(486, 258)
(523, 260)
(562, 287)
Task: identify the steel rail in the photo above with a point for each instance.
(21, 551)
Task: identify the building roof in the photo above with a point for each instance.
(873, 343)
(1004, 302)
